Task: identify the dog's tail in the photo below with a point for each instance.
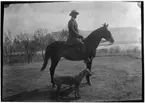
(46, 58)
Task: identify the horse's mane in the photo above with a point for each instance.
(95, 32)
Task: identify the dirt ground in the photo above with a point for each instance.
(115, 78)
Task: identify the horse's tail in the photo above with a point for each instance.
(46, 57)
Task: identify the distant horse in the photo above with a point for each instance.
(60, 49)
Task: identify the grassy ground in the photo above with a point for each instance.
(115, 78)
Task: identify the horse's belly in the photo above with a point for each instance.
(74, 56)
(73, 53)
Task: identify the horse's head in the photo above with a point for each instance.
(87, 72)
(107, 34)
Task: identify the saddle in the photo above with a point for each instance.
(77, 47)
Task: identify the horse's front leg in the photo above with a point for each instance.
(89, 65)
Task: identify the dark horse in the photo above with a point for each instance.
(60, 49)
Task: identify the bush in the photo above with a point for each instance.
(136, 50)
(115, 49)
(60, 35)
(104, 50)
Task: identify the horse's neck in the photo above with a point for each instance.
(79, 77)
(93, 41)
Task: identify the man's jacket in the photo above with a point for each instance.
(73, 31)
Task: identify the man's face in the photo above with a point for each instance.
(74, 16)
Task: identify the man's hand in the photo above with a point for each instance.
(110, 44)
(102, 41)
(81, 37)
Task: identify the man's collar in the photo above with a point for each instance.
(73, 18)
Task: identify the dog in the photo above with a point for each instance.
(71, 81)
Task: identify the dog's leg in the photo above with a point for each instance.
(57, 91)
(75, 91)
(78, 94)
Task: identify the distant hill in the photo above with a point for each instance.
(121, 34)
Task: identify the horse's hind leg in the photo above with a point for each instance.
(54, 63)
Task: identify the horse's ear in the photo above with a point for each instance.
(104, 25)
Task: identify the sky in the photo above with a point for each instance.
(55, 16)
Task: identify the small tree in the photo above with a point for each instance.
(29, 45)
(115, 49)
(42, 38)
(7, 46)
(63, 35)
(60, 35)
(32, 49)
(17, 45)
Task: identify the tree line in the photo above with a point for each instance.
(29, 44)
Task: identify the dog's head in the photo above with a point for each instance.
(87, 72)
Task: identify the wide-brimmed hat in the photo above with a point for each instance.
(73, 12)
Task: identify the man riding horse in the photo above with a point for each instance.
(74, 37)
(59, 49)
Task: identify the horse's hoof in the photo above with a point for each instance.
(57, 98)
(78, 97)
(89, 84)
(41, 69)
(53, 85)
